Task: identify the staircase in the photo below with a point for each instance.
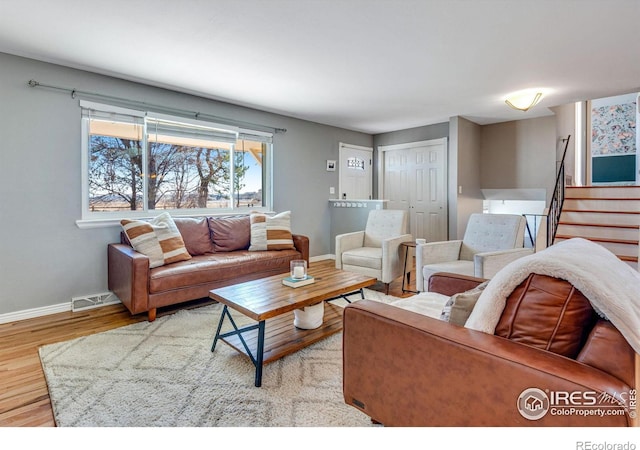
(607, 215)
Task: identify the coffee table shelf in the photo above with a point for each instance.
(282, 338)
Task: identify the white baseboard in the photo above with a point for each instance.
(321, 257)
(35, 312)
(105, 299)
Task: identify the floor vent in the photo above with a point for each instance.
(93, 301)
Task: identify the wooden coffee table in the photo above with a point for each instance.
(271, 304)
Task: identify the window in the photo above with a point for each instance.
(136, 162)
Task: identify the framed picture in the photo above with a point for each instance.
(331, 165)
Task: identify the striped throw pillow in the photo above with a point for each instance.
(158, 238)
(271, 232)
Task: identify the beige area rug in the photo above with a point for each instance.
(163, 374)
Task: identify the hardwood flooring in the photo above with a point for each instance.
(24, 398)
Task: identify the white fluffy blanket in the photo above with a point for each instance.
(612, 286)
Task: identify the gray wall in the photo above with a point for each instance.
(45, 259)
(465, 195)
(565, 126)
(519, 154)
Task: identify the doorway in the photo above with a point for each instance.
(414, 178)
(355, 180)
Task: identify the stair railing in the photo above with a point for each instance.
(530, 236)
(555, 207)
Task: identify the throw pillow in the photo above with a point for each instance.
(458, 308)
(230, 233)
(195, 234)
(158, 239)
(271, 232)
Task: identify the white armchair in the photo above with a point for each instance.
(491, 241)
(375, 251)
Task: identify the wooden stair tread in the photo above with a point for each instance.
(599, 239)
(602, 198)
(603, 211)
(604, 225)
(606, 186)
(628, 258)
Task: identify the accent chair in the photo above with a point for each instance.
(490, 242)
(375, 251)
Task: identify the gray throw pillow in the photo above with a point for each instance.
(458, 308)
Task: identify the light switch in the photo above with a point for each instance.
(332, 190)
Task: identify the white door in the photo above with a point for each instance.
(355, 176)
(415, 180)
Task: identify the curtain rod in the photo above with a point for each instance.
(135, 104)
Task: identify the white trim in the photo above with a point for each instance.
(355, 147)
(321, 258)
(110, 108)
(35, 312)
(195, 122)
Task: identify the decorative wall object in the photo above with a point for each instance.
(613, 129)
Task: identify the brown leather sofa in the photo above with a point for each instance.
(220, 257)
(406, 369)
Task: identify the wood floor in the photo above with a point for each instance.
(24, 399)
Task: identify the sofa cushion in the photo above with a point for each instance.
(271, 232)
(158, 239)
(230, 233)
(596, 352)
(459, 306)
(548, 313)
(426, 303)
(219, 267)
(195, 234)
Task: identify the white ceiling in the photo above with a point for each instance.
(367, 65)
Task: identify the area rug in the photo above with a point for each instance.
(163, 374)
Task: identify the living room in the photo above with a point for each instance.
(51, 254)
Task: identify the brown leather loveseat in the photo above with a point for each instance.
(551, 362)
(219, 257)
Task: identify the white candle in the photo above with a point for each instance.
(298, 272)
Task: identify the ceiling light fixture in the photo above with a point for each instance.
(523, 101)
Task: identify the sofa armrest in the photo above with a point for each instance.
(301, 243)
(128, 276)
(487, 264)
(345, 242)
(446, 283)
(405, 369)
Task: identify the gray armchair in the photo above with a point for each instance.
(375, 251)
(491, 241)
